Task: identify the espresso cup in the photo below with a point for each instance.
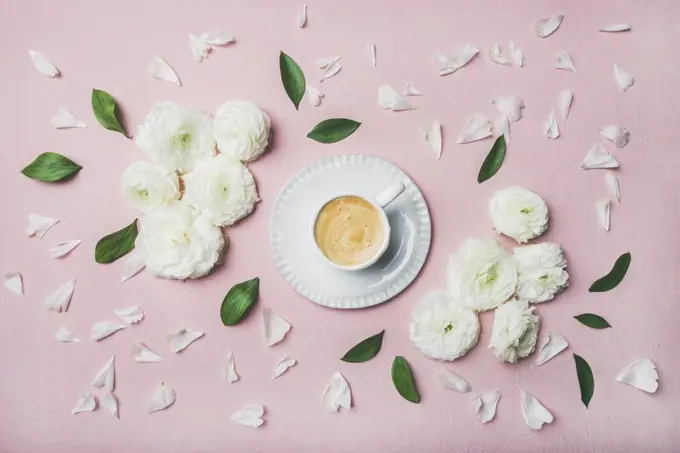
(352, 232)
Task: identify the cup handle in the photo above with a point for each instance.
(390, 194)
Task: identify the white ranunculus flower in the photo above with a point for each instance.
(222, 186)
(241, 130)
(175, 137)
(147, 187)
(519, 213)
(442, 329)
(179, 242)
(542, 272)
(481, 275)
(514, 331)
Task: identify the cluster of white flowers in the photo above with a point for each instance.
(195, 184)
(482, 275)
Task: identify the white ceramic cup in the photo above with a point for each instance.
(380, 203)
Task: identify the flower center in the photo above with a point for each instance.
(448, 328)
(544, 278)
(526, 211)
(488, 276)
(182, 139)
(143, 194)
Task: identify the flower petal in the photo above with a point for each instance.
(62, 249)
(535, 414)
(553, 345)
(453, 382)
(517, 54)
(14, 282)
(337, 394)
(448, 64)
(109, 403)
(618, 135)
(60, 299)
(249, 416)
(180, 340)
(65, 336)
(134, 263)
(229, 372)
(43, 65)
(160, 69)
(199, 48)
(142, 354)
(130, 315)
(86, 403)
(547, 26)
(598, 157)
(332, 69)
(275, 327)
(163, 397)
(476, 128)
(613, 184)
(314, 95)
(510, 106)
(106, 376)
(282, 366)
(552, 131)
(65, 120)
(39, 225)
(389, 99)
(603, 209)
(486, 405)
(616, 28)
(217, 38)
(433, 137)
(104, 329)
(565, 100)
(497, 56)
(640, 374)
(374, 60)
(302, 17)
(623, 79)
(563, 61)
(410, 90)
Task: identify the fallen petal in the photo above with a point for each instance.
(86, 403)
(497, 56)
(504, 126)
(510, 106)
(547, 26)
(563, 61)
(133, 265)
(535, 414)
(640, 374)
(106, 376)
(65, 336)
(142, 354)
(453, 382)
(104, 329)
(230, 368)
(623, 79)
(161, 70)
(598, 157)
(374, 60)
(565, 100)
(65, 120)
(552, 131)
(249, 416)
(60, 299)
(180, 340)
(337, 394)
(553, 345)
(410, 90)
(331, 70)
(389, 99)
(109, 403)
(486, 405)
(163, 397)
(43, 65)
(433, 137)
(302, 17)
(62, 249)
(603, 209)
(39, 225)
(616, 28)
(217, 38)
(613, 184)
(130, 315)
(324, 63)
(282, 366)
(275, 327)
(199, 48)
(14, 282)
(517, 54)
(448, 64)
(476, 128)
(314, 95)
(618, 135)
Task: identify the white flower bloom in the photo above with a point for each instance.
(442, 329)
(514, 331)
(481, 275)
(519, 213)
(241, 130)
(222, 186)
(147, 187)
(542, 272)
(178, 242)
(175, 137)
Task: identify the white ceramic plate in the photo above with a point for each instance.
(295, 252)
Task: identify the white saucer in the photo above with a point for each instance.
(294, 249)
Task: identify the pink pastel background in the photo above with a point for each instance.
(107, 45)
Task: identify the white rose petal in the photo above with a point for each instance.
(486, 405)
(453, 382)
(547, 26)
(448, 64)
(481, 275)
(618, 135)
(518, 213)
(178, 242)
(43, 65)
(86, 403)
(613, 185)
(241, 130)
(176, 138)
(510, 106)
(110, 403)
(147, 187)
(229, 369)
(106, 377)
(163, 397)
(497, 56)
(535, 414)
(598, 157)
(517, 54)
(542, 272)
(641, 374)
(514, 331)
(443, 329)
(223, 187)
(14, 282)
(249, 416)
(563, 61)
(551, 347)
(623, 79)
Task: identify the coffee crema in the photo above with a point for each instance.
(349, 230)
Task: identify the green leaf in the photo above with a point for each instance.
(238, 302)
(333, 130)
(293, 79)
(592, 321)
(116, 245)
(104, 108)
(614, 277)
(51, 167)
(403, 380)
(493, 160)
(586, 381)
(365, 350)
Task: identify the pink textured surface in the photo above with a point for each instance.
(108, 46)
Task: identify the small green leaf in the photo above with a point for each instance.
(104, 108)
(586, 381)
(403, 380)
(592, 321)
(51, 167)
(293, 79)
(238, 302)
(116, 245)
(493, 160)
(333, 130)
(365, 350)
(614, 277)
